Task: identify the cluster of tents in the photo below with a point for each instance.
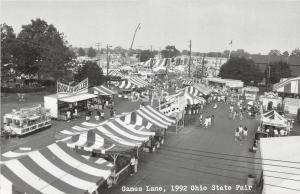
(86, 155)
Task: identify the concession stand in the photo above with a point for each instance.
(26, 120)
(69, 98)
(291, 105)
(250, 93)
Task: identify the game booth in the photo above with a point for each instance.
(105, 95)
(250, 93)
(26, 120)
(113, 140)
(69, 98)
(270, 100)
(148, 118)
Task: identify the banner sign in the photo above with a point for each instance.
(67, 89)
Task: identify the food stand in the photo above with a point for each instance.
(68, 98)
(250, 93)
(26, 120)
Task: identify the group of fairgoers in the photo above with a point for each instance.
(240, 133)
(208, 121)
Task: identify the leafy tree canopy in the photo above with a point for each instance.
(91, 52)
(41, 48)
(274, 52)
(170, 51)
(285, 53)
(7, 44)
(241, 69)
(92, 71)
(296, 52)
(145, 55)
(81, 52)
(279, 70)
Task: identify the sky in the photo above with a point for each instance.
(256, 26)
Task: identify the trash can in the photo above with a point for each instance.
(251, 180)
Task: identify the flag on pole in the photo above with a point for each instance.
(230, 42)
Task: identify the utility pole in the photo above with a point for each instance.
(107, 57)
(190, 59)
(268, 73)
(202, 70)
(98, 45)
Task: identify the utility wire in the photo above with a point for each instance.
(232, 159)
(233, 155)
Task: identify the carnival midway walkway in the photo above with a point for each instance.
(197, 157)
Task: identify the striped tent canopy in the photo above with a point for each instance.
(139, 82)
(188, 82)
(125, 84)
(273, 118)
(116, 72)
(54, 169)
(160, 65)
(103, 90)
(202, 88)
(191, 90)
(147, 64)
(110, 136)
(155, 117)
(290, 86)
(191, 99)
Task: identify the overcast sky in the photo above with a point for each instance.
(253, 25)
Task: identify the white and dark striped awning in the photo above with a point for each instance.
(188, 82)
(191, 100)
(125, 84)
(155, 117)
(110, 136)
(103, 91)
(54, 169)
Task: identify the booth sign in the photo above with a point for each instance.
(71, 90)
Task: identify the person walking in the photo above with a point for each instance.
(212, 120)
(245, 132)
(201, 119)
(233, 115)
(236, 134)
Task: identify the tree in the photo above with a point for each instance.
(170, 52)
(91, 52)
(185, 52)
(41, 49)
(296, 52)
(274, 52)
(279, 70)
(8, 44)
(81, 52)
(241, 69)
(92, 71)
(145, 55)
(285, 53)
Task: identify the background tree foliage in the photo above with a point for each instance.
(296, 52)
(41, 49)
(275, 52)
(241, 69)
(8, 46)
(279, 70)
(170, 51)
(145, 55)
(92, 71)
(81, 52)
(91, 52)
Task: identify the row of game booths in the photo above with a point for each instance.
(86, 158)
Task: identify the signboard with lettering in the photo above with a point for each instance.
(71, 90)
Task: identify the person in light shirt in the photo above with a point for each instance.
(282, 132)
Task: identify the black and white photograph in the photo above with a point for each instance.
(150, 97)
